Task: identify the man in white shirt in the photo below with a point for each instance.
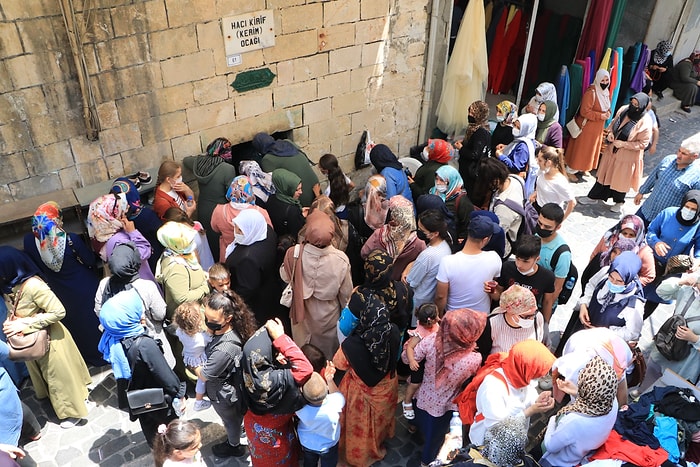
(461, 277)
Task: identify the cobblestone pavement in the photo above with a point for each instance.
(110, 439)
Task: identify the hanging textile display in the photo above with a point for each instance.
(467, 71)
(500, 55)
(615, 77)
(586, 77)
(575, 89)
(595, 29)
(630, 59)
(638, 78)
(592, 70)
(563, 94)
(605, 62)
(615, 21)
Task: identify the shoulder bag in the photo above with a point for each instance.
(668, 345)
(27, 347)
(288, 292)
(144, 400)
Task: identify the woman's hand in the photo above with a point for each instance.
(274, 328)
(127, 224)
(662, 248)
(533, 197)
(13, 451)
(607, 114)
(583, 316)
(457, 144)
(413, 364)
(329, 372)
(10, 328)
(685, 334)
(564, 385)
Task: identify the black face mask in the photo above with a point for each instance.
(213, 326)
(471, 119)
(422, 236)
(604, 86)
(543, 233)
(696, 61)
(634, 113)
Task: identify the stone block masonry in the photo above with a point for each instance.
(162, 86)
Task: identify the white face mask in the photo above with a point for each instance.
(540, 117)
(688, 214)
(177, 180)
(529, 271)
(441, 188)
(516, 132)
(500, 118)
(425, 154)
(526, 323)
(238, 238)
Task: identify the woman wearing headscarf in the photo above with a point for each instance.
(322, 285)
(231, 325)
(144, 218)
(674, 231)
(376, 202)
(260, 180)
(476, 144)
(136, 358)
(505, 387)
(685, 81)
(253, 265)
(109, 226)
(519, 156)
(631, 227)
(584, 425)
(284, 207)
(660, 67)
(386, 164)
(240, 196)
(448, 185)
(369, 356)
(622, 165)
(179, 272)
(506, 113)
(549, 131)
(201, 246)
(65, 262)
(617, 301)
(61, 374)
(124, 266)
(582, 153)
(435, 154)
(398, 237)
(284, 154)
(427, 202)
(214, 173)
(544, 92)
(450, 359)
(273, 394)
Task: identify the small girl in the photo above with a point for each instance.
(552, 184)
(427, 316)
(178, 444)
(339, 185)
(190, 331)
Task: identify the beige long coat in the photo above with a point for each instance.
(327, 289)
(61, 374)
(623, 170)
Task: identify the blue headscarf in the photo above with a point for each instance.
(454, 182)
(15, 267)
(120, 317)
(627, 264)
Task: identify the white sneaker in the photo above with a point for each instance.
(617, 207)
(585, 200)
(90, 404)
(70, 422)
(201, 405)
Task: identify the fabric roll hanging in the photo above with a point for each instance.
(595, 29)
(575, 79)
(562, 84)
(615, 77)
(615, 21)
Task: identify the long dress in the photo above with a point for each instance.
(61, 374)
(684, 82)
(583, 152)
(75, 285)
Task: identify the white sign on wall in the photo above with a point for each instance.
(251, 31)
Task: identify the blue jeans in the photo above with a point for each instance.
(328, 458)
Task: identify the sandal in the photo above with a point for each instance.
(408, 412)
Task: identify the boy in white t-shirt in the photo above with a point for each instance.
(319, 420)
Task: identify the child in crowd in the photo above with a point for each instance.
(339, 184)
(219, 277)
(427, 316)
(319, 420)
(190, 330)
(178, 444)
(315, 356)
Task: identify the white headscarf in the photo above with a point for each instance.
(603, 95)
(528, 127)
(253, 226)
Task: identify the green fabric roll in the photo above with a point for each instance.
(614, 25)
(576, 80)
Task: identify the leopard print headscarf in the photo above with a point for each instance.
(597, 385)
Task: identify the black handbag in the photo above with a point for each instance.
(146, 400)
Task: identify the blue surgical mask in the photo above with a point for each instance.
(614, 288)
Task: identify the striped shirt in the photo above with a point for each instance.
(504, 336)
(667, 185)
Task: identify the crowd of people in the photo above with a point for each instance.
(295, 311)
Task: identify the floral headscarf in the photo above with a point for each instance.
(178, 240)
(597, 386)
(220, 147)
(454, 182)
(261, 181)
(456, 338)
(631, 222)
(480, 111)
(509, 111)
(104, 216)
(517, 300)
(131, 193)
(376, 206)
(400, 230)
(663, 50)
(622, 244)
(439, 150)
(50, 237)
(240, 193)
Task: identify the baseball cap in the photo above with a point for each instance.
(481, 227)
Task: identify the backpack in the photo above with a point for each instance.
(527, 211)
(667, 343)
(571, 276)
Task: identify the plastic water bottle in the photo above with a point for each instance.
(456, 425)
(178, 407)
(569, 284)
(190, 201)
(453, 441)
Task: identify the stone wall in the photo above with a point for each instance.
(162, 85)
